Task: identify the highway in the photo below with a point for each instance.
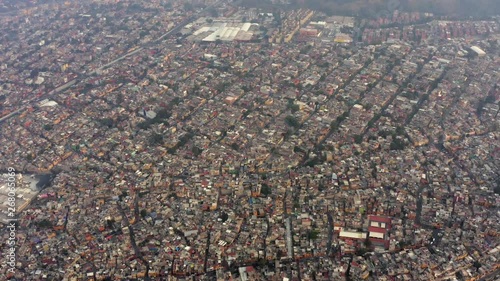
(97, 71)
(11, 114)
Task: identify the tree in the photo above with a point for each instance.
(294, 108)
(477, 264)
(47, 127)
(143, 33)
(292, 121)
(221, 87)
(370, 123)
(397, 144)
(144, 125)
(185, 138)
(358, 139)
(342, 117)
(144, 213)
(196, 150)
(313, 162)
(163, 114)
(45, 223)
(108, 122)
(305, 50)
(384, 133)
(400, 131)
(497, 187)
(489, 99)
(324, 64)
(119, 98)
(297, 149)
(156, 139)
(235, 146)
(176, 101)
(313, 234)
(265, 190)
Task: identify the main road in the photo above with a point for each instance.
(491, 276)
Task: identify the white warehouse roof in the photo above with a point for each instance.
(354, 235)
(478, 50)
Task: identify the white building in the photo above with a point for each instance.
(478, 51)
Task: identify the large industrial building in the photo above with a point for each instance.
(224, 31)
(478, 51)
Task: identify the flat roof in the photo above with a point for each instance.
(226, 32)
(478, 50)
(352, 234)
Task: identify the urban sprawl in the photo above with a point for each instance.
(205, 141)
